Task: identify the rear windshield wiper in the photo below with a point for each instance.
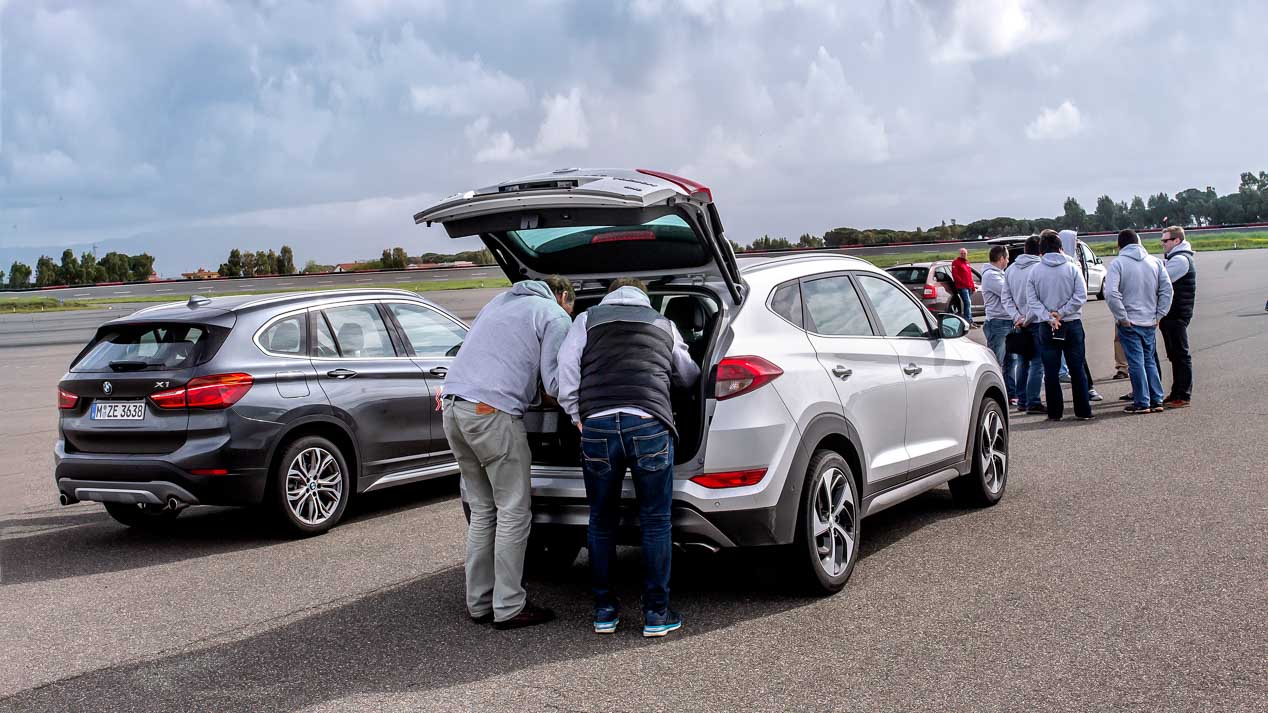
(129, 365)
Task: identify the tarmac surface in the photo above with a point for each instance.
(1125, 569)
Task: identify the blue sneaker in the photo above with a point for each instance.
(661, 623)
(605, 619)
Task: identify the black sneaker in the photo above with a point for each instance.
(1138, 409)
(1039, 410)
(1089, 417)
(1126, 397)
(661, 623)
(530, 615)
(483, 619)
(605, 619)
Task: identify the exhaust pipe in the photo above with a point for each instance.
(65, 499)
(174, 504)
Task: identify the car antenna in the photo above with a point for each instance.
(196, 301)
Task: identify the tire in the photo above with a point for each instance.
(827, 543)
(986, 481)
(551, 554)
(141, 517)
(310, 486)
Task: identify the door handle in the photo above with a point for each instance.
(439, 371)
(341, 373)
(841, 372)
(912, 370)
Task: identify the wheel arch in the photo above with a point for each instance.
(989, 386)
(828, 431)
(326, 427)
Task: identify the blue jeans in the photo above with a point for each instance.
(1029, 372)
(1072, 348)
(966, 303)
(996, 331)
(610, 444)
(1140, 348)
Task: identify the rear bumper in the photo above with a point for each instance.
(155, 477)
(734, 528)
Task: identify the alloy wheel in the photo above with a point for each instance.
(993, 451)
(835, 521)
(314, 486)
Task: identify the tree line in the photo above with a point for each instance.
(244, 263)
(86, 269)
(1189, 207)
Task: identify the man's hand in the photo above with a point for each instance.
(1020, 323)
(1124, 323)
(577, 424)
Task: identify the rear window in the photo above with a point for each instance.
(666, 242)
(910, 275)
(149, 347)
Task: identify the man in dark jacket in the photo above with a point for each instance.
(615, 370)
(1183, 272)
(962, 277)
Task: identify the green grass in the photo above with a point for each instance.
(21, 305)
(429, 286)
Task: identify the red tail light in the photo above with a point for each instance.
(209, 392)
(742, 374)
(66, 400)
(623, 236)
(931, 292)
(730, 479)
(209, 471)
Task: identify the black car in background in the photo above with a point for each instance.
(295, 401)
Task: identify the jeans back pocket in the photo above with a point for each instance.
(652, 451)
(595, 458)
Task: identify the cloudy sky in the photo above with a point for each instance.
(331, 123)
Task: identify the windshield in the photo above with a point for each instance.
(668, 228)
(910, 275)
(142, 347)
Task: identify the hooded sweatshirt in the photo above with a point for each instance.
(1055, 285)
(1137, 287)
(513, 344)
(684, 371)
(995, 294)
(1178, 260)
(1017, 275)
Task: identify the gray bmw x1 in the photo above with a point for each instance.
(294, 401)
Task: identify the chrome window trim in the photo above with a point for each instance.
(255, 338)
(849, 276)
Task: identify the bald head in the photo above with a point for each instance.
(964, 253)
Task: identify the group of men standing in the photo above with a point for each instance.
(611, 371)
(1034, 311)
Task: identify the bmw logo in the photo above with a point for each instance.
(106, 387)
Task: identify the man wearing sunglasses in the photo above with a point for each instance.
(1182, 270)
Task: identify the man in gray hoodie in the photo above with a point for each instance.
(1000, 312)
(1055, 295)
(1139, 294)
(1028, 364)
(513, 346)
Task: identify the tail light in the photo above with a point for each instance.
(742, 374)
(209, 471)
(66, 400)
(730, 479)
(931, 292)
(624, 236)
(208, 392)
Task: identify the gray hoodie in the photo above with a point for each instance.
(1137, 287)
(1017, 275)
(513, 344)
(1178, 260)
(1055, 285)
(685, 371)
(995, 294)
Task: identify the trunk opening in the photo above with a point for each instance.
(552, 438)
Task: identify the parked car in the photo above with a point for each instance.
(819, 372)
(297, 401)
(1090, 263)
(932, 283)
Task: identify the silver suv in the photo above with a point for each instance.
(829, 393)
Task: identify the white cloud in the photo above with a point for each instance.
(469, 89)
(1054, 124)
(565, 124)
(996, 28)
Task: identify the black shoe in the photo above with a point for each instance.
(1054, 419)
(530, 615)
(483, 619)
(661, 623)
(1037, 410)
(1126, 397)
(1089, 417)
(1120, 375)
(1138, 409)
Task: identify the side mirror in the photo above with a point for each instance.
(1099, 261)
(951, 326)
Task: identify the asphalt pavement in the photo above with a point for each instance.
(1125, 569)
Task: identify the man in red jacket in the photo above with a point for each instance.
(962, 276)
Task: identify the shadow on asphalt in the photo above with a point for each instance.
(84, 543)
(417, 636)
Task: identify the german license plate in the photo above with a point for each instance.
(118, 411)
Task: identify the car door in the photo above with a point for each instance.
(432, 339)
(936, 379)
(375, 387)
(864, 369)
(1095, 268)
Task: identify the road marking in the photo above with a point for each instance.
(366, 279)
(323, 282)
(286, 283)
(123, 292)
(163, 289)
(81, 294)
